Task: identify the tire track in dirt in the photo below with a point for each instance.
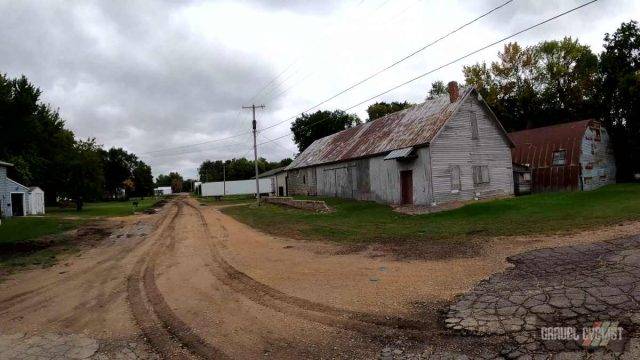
(164, 329)
(102, 266)
(303, 308)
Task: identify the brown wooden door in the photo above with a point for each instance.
(406, 185)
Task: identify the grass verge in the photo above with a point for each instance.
(104, 209)
(362, 222)
(38, 240)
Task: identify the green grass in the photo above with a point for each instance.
(22, 241)
(358, 221)
(21, 238)
(103, 209)
(227, 200)
(21, 229)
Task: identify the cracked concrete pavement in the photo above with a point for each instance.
(572, 286)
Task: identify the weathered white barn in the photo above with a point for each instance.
(278, 179)
(17, 199)
(449, 148)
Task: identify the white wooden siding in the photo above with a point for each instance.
(3, 192)
(455, 146)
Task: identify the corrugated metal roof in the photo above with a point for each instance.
(400, 153)
(417, 125)
(271, 172)
(535, 147)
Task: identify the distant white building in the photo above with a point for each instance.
(163, 190)
(17, 199)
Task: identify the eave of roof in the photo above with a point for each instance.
(5, 164)
(415, 126)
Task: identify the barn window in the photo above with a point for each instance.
(598, 136)
(304, 179)
(480, 174)
(559, 157)
(455, 178)
(474, 125)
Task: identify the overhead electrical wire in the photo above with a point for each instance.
(452, 62)
(395, 63)
(341, 92)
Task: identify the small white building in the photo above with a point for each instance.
(17, 199)
(163, 190)
(278, 179)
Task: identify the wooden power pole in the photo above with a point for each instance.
(255, 148)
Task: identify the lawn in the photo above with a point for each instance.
(103, 209)
(21, 237)
(358, 221)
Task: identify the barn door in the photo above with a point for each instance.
(17, 204)
(406, 186)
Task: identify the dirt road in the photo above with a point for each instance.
(190, 282)
(161, 285)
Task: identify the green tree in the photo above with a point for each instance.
(566, 73)
(163, 180)
(118, 167)
(550, 82)
(34, 138)
(143, 179)
(308, 128)
(620, 94)
(86, 178)
(437, 88)
(381, 109)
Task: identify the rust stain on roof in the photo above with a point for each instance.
(417, 125)
(535, 147)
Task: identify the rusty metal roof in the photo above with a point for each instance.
(535, 147)
(417, 125)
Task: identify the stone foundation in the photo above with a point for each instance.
(313, 205)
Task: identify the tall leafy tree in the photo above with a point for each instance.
(381, 109)
(142, 179)
(86, 178)
(566, 76)
(308, 128)
(620, 94)
(550, 82)
(437, 88)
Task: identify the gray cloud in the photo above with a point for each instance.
(124, 73)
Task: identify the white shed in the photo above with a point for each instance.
(35, 205)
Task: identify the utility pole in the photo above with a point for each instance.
(255, 148)
(224, 179)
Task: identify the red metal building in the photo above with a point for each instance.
(570, 156)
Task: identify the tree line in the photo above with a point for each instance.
(46, 154)
(236, 169)
(544, 84)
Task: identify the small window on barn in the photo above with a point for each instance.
(474, 125)
(304, 179)
(455, 178)
(559, 157)
(480, 175)
(598, 136)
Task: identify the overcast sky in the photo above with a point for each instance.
(155, 75)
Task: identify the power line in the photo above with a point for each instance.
(449, 63)
(274, 142)
(395, 63)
